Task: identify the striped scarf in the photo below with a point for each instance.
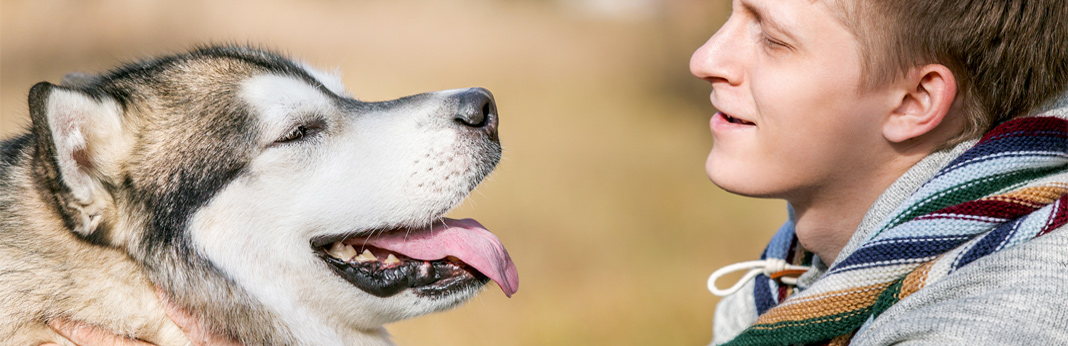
(1010, 187)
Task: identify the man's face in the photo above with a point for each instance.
(792, 121)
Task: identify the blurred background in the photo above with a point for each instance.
(601, 197)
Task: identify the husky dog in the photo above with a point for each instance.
(252, 192)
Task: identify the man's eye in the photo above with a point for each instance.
(771, 42)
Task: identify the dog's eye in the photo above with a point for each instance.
(298, 133)
(295, 134)
(305, 131)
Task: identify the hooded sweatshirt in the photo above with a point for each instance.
(1018, 296)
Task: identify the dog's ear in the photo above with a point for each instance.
(78, 79)
(79, 142)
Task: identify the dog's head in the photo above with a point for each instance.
(264, 199)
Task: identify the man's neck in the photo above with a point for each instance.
(825, 229)
(826, 216)
(826, 220)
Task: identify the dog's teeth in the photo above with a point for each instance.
(341, 251)
(366, 256)
(392, 259)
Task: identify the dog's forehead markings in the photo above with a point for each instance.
(330, 80)
(278, 98)
(169, 206)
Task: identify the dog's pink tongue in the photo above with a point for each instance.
(464, 239)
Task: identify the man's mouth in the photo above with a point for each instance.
(450, 256)
(734, 120)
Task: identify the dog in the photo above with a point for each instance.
(250, 190)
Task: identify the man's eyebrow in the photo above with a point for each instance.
(762, 17)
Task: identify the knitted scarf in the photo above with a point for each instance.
(1010, 187)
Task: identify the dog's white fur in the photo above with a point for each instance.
(297, 193)
(369, 167)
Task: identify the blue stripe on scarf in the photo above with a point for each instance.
(1008, 234)
(1050, 142)
(765, 291)
(903, 250)
(989, 244)
(763, 294)
(779, 246)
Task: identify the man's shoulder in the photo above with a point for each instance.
(1014, 296)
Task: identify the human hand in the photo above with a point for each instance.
(86, 335)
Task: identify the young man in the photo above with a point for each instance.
(866, 116)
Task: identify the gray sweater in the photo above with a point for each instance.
(1018, 296)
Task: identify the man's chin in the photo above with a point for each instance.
(737, 179)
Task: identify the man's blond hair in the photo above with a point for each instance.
(1008, 56)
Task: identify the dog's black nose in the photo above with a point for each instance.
(477, 110)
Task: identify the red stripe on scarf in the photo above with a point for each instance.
(1025, 125)
(1000, 209)
(1060, 216)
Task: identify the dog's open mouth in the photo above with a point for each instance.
(448, 257)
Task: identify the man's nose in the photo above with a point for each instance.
(721, 57)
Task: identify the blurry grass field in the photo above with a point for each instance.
(601, 197)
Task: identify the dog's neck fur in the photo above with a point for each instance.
(117, 166)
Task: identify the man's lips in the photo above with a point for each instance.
(734, 120)
(722, 122)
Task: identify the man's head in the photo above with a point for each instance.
(1008, 56)
(814, 94)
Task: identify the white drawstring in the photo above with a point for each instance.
(767, 267)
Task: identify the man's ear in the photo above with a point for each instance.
(927, 101)
(79, 142)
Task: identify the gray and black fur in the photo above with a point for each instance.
(191, 137)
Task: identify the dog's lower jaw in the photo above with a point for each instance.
(374, 337)
(341, 330)
(335, 332)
